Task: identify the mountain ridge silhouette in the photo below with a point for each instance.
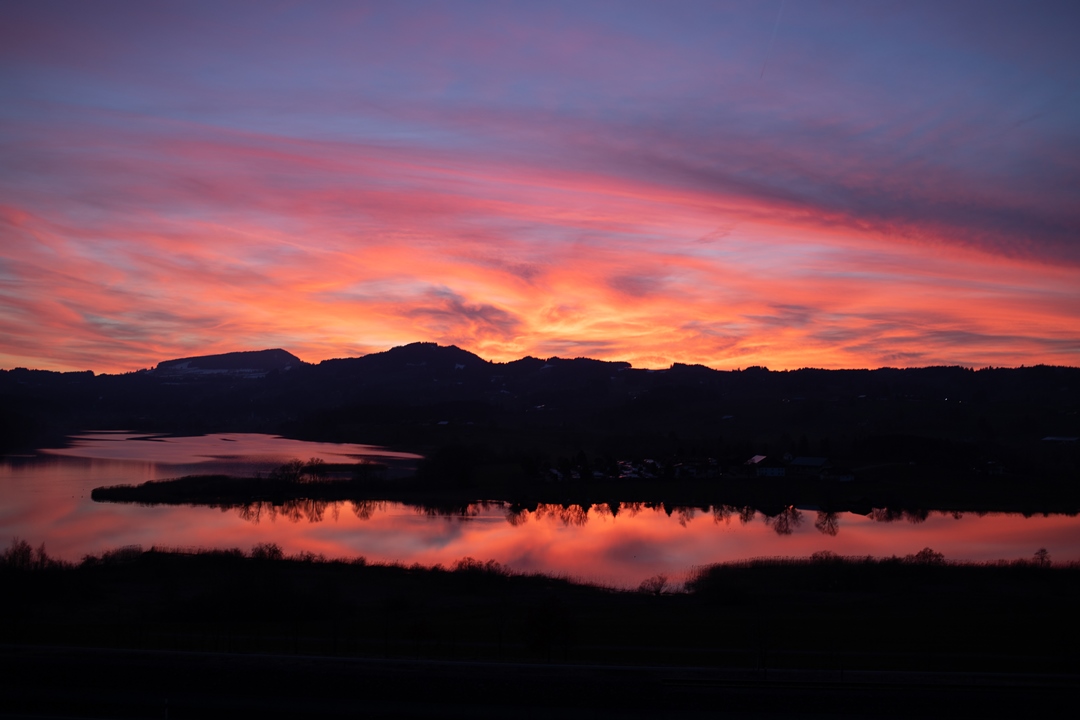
(425, 395)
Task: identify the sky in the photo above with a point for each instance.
(783, 183)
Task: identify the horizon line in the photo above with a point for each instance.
(629, 365)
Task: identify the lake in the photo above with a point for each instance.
(45, 498)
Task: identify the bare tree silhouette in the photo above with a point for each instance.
(364, 509)
(315, 470)
(786, 521)
(291, 471)
(827, 523)
(517, 516)
(569, 515)
(723, 513)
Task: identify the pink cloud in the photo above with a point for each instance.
(199, 240)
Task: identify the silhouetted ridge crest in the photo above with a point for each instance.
(249, 360)
(429, 352)
(584, 362)
(525, 364)
(428, 355)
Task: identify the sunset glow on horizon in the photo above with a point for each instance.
(790, 185)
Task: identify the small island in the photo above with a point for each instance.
(437, 489)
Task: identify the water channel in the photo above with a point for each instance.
(45, 498)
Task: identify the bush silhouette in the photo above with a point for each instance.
(926, 556)
(654, 585)
(267, 551)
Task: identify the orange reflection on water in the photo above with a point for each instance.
(245, 448)
(46, 499)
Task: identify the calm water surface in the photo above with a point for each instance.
(46, 498)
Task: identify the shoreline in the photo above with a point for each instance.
(770, 496)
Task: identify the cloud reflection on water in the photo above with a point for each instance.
(46, 499)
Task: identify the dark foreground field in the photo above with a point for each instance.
(80, 682)
(119, 634)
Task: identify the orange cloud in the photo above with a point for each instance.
(239, 241)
